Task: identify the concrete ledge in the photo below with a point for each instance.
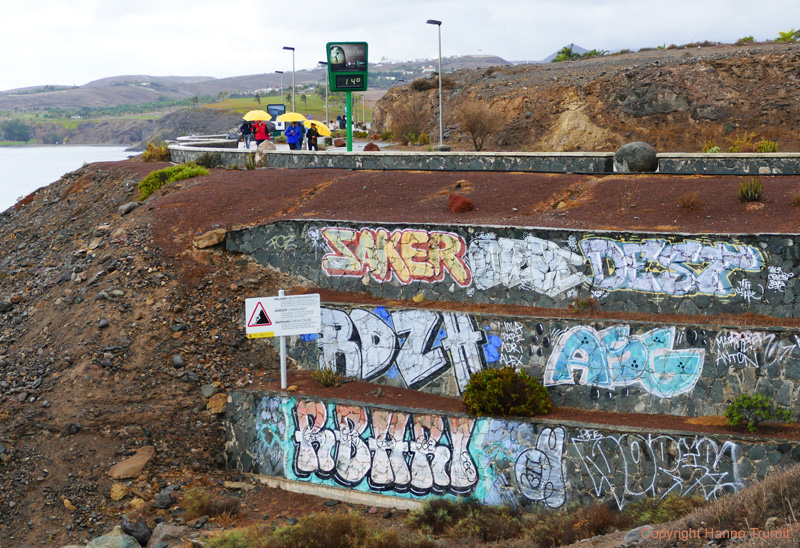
(338, 493)
(542, 162)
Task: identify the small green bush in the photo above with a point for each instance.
(326, 377)
(750, 189)
(161, 177)
(766, 145)
(424, 139)
(387, 136)
(156, 151)
(749, 411)
(466, 519)
(506, 391)
(744, 40)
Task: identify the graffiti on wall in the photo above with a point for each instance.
(657, 266)
(390, 450)
(407, 255)
(657, 465)
(753, 348)
(532, 264)
(419, 345)
(414, 255)
(613, 358)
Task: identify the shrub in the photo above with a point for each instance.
(581, 304)
(506, 391)
(424, 84)
(466, 519)
(387, 136)
(711, 147)
(424, 139)
(156, 151)
(201, 502)
(161, 177)
(765, 145)
(744, 40)
(750, 189)
(690, 201)
(478, 121)
(742, 143)
(408, 118)
(749, 411)
(326, 377)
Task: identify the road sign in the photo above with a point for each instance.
(282, 315)
(347, 66)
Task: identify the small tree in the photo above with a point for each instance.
(408, 118)
(257, 97)
(478, 121)
(16, 130)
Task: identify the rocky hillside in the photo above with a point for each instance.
(675, 99)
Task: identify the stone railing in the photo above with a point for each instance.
(545, 162)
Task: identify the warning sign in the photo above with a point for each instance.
(259, 318)
(283, 315)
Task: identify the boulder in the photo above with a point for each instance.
(264, 148)
(133, 466)
(459, 204)
(212, 237)
(115, 539)
(169, 534)
(339, 143)
(637, 157)
(371, 147)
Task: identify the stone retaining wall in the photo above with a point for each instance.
(546, 162)
(653, 273)
(603, 365)
(420, 454)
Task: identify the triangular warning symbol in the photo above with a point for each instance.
(259, 317)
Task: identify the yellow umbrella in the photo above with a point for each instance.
(321, 128)
(257, 115)
(291, 117)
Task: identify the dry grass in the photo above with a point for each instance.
(690, 201)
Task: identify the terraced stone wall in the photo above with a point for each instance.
(655, 273)
(608, 365)
(419, 454)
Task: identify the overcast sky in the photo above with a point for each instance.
(72, 42)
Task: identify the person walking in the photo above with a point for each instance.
(260, 132)
(246, 129)
(311, 138)
(293, 136)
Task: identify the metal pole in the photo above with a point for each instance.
(283, 354)
(441, 126)
(349, 124)
(441, 131)
(293, 76)
(293, 85)
(327, 120)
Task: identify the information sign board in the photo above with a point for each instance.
(347, 66)
(282, 315)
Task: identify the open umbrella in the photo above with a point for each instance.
(291, 117)
(254, 115)
(321, 128)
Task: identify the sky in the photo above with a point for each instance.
(72, 42)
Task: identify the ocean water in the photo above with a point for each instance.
(26, 168)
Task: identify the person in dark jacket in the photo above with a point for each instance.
(246, 129)
(311, 138)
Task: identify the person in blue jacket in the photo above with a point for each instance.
(293, 136)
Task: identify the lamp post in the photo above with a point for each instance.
(292, 50)
(327, 120)
(441, 129)
(281, 73)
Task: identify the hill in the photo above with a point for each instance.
(676, 99)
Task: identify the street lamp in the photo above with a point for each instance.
(441, 131)
(327, 120)
(292, 50)
(281, 73)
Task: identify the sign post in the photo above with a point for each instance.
(347, 71)
(282, 316)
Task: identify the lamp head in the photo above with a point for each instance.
(434, 22)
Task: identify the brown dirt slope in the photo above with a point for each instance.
(111, 324)
(675, 99)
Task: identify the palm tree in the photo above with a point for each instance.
(790, 36)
